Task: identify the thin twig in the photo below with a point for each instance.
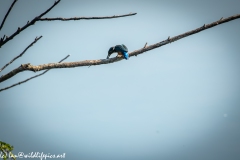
(3, 36)
(9, 10)
(19, 30)
(31, 77)
(84, 18)
(29, 67)
(30, 45)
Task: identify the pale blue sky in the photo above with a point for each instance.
(180, 101)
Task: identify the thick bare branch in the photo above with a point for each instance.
(84, 18)
(30, 77)
(9, 10)
(19, 30)
(30, 45)
(29, 67)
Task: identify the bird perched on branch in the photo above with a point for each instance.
(120, 49)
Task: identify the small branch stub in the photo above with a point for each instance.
(145, 45)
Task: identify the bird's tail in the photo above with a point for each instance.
(108, 56)
(126, 55)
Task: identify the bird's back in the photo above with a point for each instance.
(121, 48)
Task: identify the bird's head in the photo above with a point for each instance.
(110, 51)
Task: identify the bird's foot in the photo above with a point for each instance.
(119, 55)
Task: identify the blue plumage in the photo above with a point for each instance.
(120, 49)
(126, 56)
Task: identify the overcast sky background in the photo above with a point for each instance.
(180, 101)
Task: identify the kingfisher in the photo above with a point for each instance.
(120, 49)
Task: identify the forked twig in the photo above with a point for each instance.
(31, 77)
(19, 30)
(30, 45)
(39, 18)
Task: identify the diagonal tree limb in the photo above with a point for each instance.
(30, 45)
(19, 30)
(31, 77)
(29, 67)
(9, 10)
(84, 18)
